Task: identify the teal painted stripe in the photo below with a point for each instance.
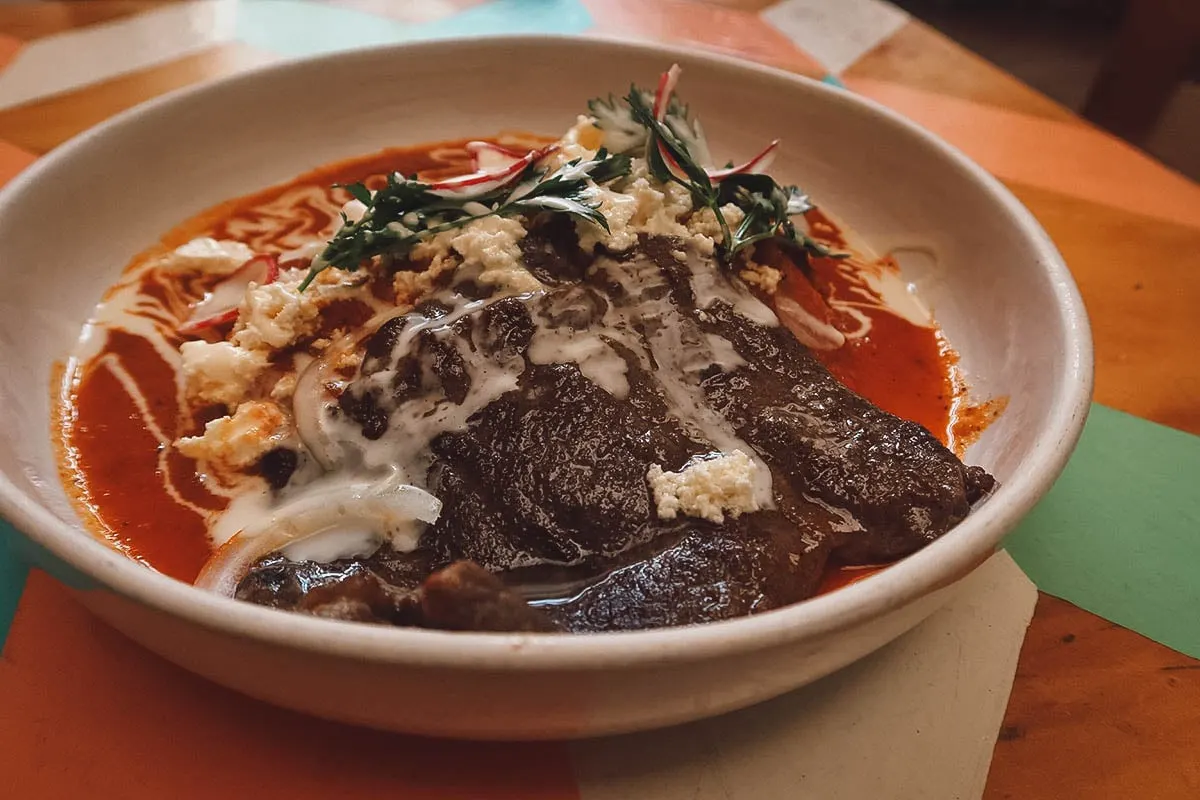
(300, 28)
(1119, 534)
(510, 17)
(833, 80)
(12, 579)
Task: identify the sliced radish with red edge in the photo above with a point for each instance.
(221, 304)
(488, 180)
(757, 164)
(666, 86)
(486, 156)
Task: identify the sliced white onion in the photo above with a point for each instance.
(305, 252)
(231, 561)
(805, 326)
(382, 510)
(308, 409)
(328, 546)
(311, 395)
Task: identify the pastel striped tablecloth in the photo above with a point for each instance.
(1097, 708)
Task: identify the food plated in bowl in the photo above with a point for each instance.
(579, 389)
(574, 385)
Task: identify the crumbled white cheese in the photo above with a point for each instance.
(704, 222)
(637, 205)
(305, 252)
(708, 488)
(237, 441)
(618, 209)
(410, 286)
(284, 388)
(659, 209)
(219, 372)
(765, 278)
(277, 314)
(493, 244)
(207, 254)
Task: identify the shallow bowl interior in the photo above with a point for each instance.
(1003, 296)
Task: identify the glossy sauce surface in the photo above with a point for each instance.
(145, 497)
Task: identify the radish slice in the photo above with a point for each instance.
(807, 327)
(308, 408)
(671, 163)
(231, 561)
(313, 394)
(482, 181)
(221, 304)
(757, 164)
(487, 156)
(662, 99)
(488, 180)
(666, 87)
(380, 510)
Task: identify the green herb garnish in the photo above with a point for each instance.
(406, 210)
(675, 151)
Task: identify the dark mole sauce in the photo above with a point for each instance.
(113, 459)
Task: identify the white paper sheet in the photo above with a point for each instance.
(916, 720)
(836, 32)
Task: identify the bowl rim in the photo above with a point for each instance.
(939, 564)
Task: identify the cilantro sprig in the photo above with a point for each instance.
(676, 151)
(406, 211)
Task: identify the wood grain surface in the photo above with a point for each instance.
(1096, 710)
(920, 57)
(30, 21)
(1140, 281)
(41, 125)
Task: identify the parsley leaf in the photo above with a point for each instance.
(676, 151)
(406, 210)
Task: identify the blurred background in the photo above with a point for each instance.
(1130, 66)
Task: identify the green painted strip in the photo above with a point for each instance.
(302, 28)
(1119, 534)
(12, 580)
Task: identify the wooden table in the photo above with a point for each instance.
(1095, 709)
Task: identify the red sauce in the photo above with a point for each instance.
(121, 470)
(903, 368)
(145, 498)
(840, 577)
(906, 369)
(126, 481)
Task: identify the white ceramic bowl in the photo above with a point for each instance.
(997, 285)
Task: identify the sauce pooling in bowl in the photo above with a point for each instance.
(123, 409)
